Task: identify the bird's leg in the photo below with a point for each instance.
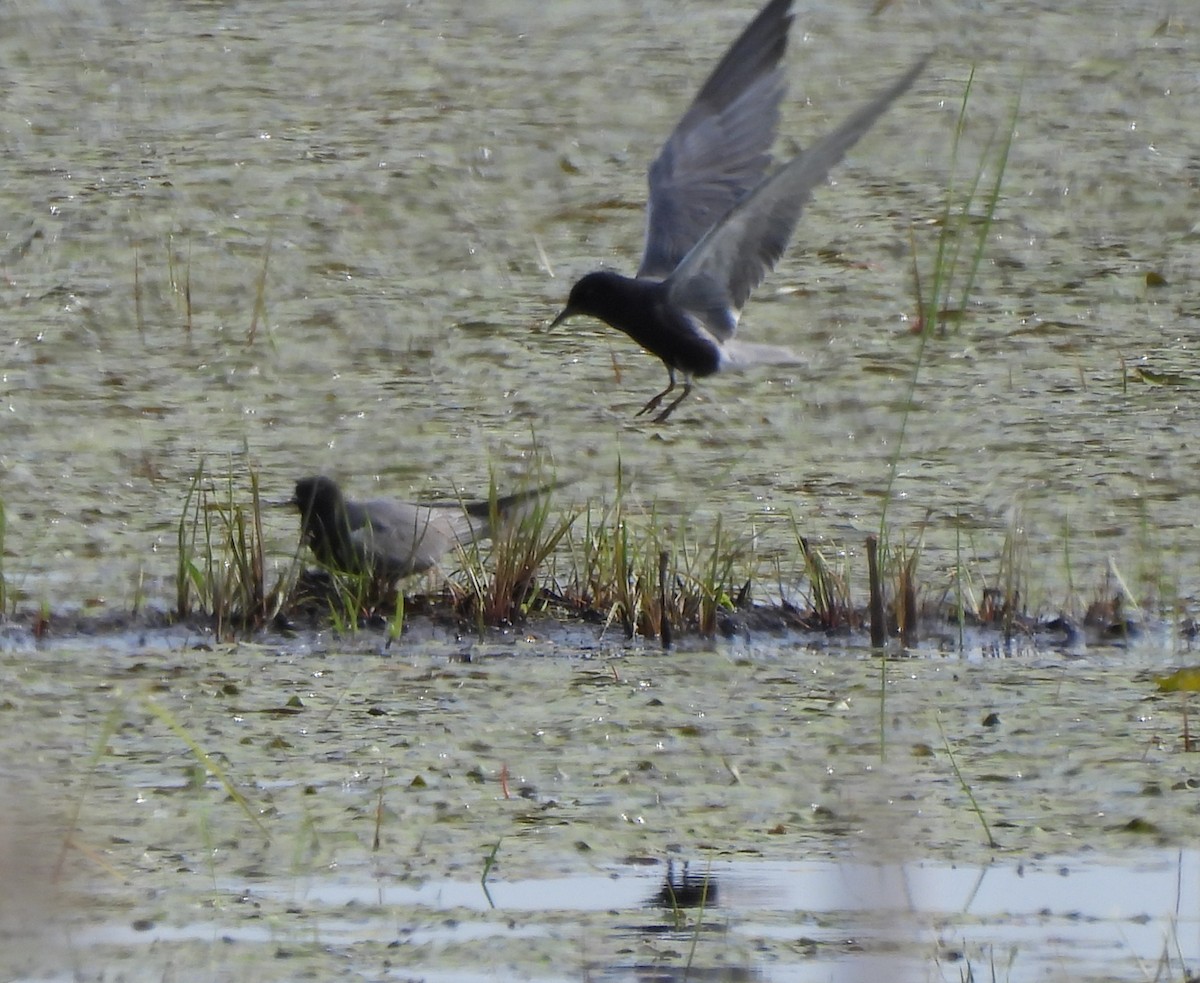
(655, 400)
(687, 388)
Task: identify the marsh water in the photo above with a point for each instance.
(301, 237)
(463, 809)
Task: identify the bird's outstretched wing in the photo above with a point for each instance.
(719, 150)
(714, 280)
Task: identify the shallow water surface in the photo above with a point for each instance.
(373, 791)
(306, 237)
(422, 183)
(817, 920)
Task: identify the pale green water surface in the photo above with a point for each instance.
(429, 178)
(423, 181)
(376, 787)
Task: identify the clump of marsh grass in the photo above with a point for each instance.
(1002, 603)
(1114, 611)
(697, 580)
(613, 578)
(997, 602)
(899, 606)
(629, 568)
(829, 597)
(715, 567)
(888, 612)
(896, 565)
(349, 599)
(502, 584)
(221, 566)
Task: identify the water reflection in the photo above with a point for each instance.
(800, 920)
(684, 888)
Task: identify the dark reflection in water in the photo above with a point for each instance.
(686, 889)
(678, 974)
(683, 889)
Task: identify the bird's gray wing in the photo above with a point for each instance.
(717, 276)
(406, 538)
(720, 148)
(510, 507)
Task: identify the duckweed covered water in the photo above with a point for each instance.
(420, 185)
(420, 216)
(376, 788)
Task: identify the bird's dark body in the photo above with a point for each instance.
(641, 309)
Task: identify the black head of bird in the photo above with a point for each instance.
(325, 523)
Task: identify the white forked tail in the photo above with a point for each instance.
(737, 354)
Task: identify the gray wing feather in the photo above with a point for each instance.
(737, 253)
(720, 148)
(408, 538)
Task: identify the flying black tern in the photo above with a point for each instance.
(716, 223)
(390, 539)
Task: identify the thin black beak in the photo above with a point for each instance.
(566, 313)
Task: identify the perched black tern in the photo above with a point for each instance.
(716, 223)
(389, 539)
